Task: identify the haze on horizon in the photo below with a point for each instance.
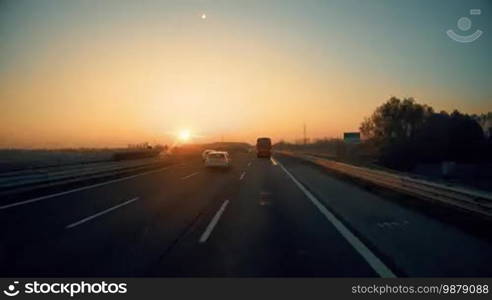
(110, 73)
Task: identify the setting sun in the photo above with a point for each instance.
(316, 139)
(184, 135)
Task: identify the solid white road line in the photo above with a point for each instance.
(214, 222)
(377, 265)
(188, 176)
(274, 162)
(100, 213)
(242, 175)
(79, 189)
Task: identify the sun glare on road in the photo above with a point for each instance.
(184, 135)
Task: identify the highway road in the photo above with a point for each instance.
(278, 217)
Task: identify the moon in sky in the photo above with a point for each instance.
(204, 16)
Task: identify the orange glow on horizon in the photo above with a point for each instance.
(134, 83)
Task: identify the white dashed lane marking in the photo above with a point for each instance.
(215, 220)
(188, 176)
(84, 220)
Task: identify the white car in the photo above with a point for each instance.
(205, 153)
(218, 159)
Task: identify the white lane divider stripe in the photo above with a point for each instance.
(215, 220)
(242, 175)
(188, 176)
(377, 265)
(79, 189)
(274, 162)
(100, 213)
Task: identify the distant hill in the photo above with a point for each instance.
(227, 145)
(220, 146)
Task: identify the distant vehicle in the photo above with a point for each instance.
(264, 147)
(218, 159)
(205, 153)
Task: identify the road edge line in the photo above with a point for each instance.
(87, 187)
(376, 264)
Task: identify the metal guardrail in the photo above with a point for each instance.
(470, 200)
(14, 180)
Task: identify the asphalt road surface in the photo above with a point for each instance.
(278, 217)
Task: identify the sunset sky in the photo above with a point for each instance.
(107, 73)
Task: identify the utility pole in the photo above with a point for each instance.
(305, 138)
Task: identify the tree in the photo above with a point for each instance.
(485, 120)
(407, 133)
(395, 120)
(455, 136)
